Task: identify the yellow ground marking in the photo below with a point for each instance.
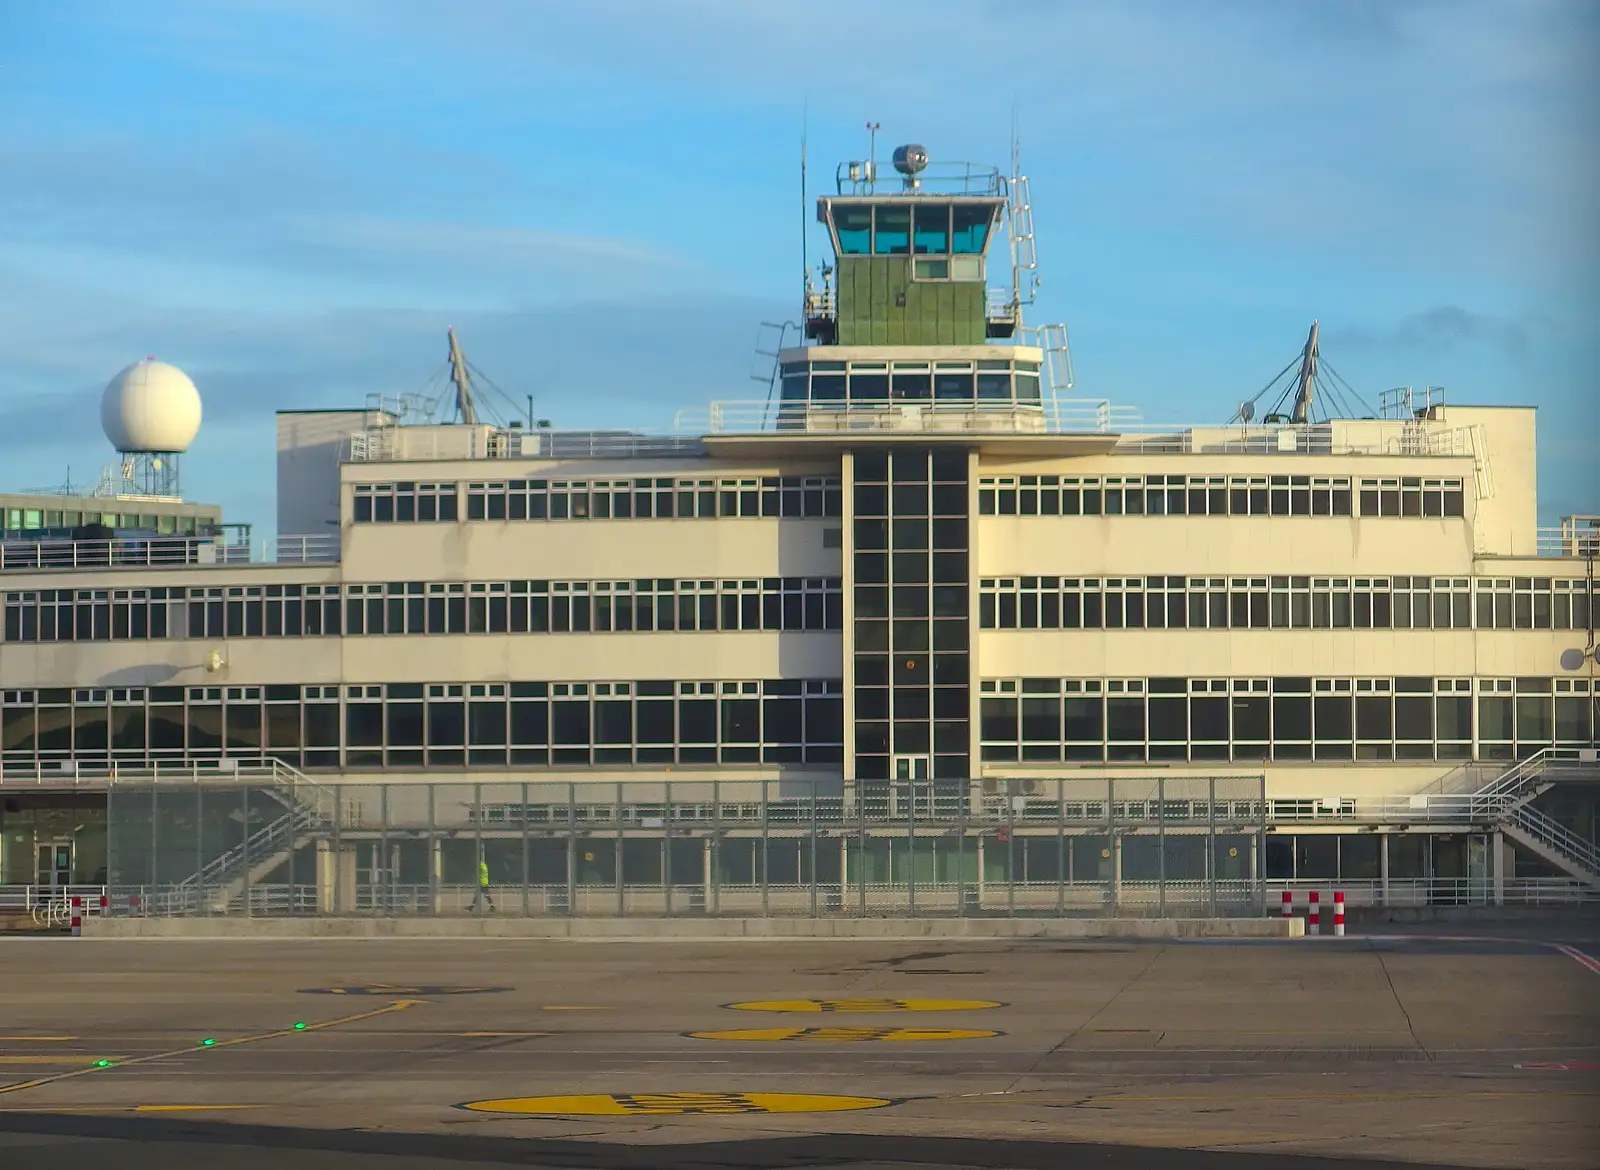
(398, 1005)
(847, 1035)
(46, 1058)
(864, 1005)
(673, 1104)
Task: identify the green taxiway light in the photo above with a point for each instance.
(102, 1064)
(299, 1025)
(207, 1042)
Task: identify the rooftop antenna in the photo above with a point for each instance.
(1305, 381)
(459, 374)
(805, 251)
(872, 154)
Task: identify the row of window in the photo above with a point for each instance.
(792, 497)
(1286, 603)
(424, 607)
(885, 229)
(22, 520)
(1048, 719)
(437, 724)
(798, 604)
(990, 382)
(1218, 495)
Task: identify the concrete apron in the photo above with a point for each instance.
(694, 928)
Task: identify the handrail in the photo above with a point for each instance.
(1557, 836)
(165, 552)
(1058, 416)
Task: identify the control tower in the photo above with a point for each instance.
(905, 323)
(910, 256)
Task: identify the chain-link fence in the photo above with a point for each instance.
(1169, 846)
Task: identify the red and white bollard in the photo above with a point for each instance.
(77, 916)
(1338, 913)
(1288, 903)
(1314, 921)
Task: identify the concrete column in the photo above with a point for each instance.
(436, 872)
(708, 871)
(336, 877)
(980, 839)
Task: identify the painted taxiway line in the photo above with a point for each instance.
(1583, 960)
(209, 1045)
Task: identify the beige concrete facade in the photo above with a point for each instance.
(1487, 454)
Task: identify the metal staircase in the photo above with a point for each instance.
(1548, 838)
(1506, 801)
(224, 879)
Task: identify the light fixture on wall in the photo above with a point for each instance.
(215, 662)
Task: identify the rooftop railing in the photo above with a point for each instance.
(164, 552)
(1576, 536)
(1063, 416)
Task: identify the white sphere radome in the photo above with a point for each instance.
(150, 406)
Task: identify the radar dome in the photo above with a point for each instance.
(150, 406)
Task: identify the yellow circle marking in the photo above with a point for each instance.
(847, 1035)
(864, 1005)
(673, 1104)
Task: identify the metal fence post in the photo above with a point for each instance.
(622, 904)
(155, 843)
(714, 894)
(666, 849)
(572, 849)
(434, 860)
(1062, 865)
(522, 816)
(814, 848)
(764, 858)
(244, 846)
(1011, 853)
(861, 849)
(337, 863)
(1161, 846)
(199, 845)
(1113, 852)
(911, 851)
(1211, 843)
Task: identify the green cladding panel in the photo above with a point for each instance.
(879, 304)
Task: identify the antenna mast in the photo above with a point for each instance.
(459, 374)
(872, 156)
(805, 251)
(1306, 379)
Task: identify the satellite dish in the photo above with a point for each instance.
(1572, 659)
(1247, 412)
(910, 158)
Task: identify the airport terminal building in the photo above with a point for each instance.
(917, 581)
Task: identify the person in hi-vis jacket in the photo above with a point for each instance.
(483, 897)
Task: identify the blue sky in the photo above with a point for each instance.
(292, 199)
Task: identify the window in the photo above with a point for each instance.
(970, 224)
(403, 502)
(852, 226)
(891, 230)
(659, 498)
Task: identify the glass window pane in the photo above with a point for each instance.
(931, 228)
(970, 227)
(854, 228)
(891, 231)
